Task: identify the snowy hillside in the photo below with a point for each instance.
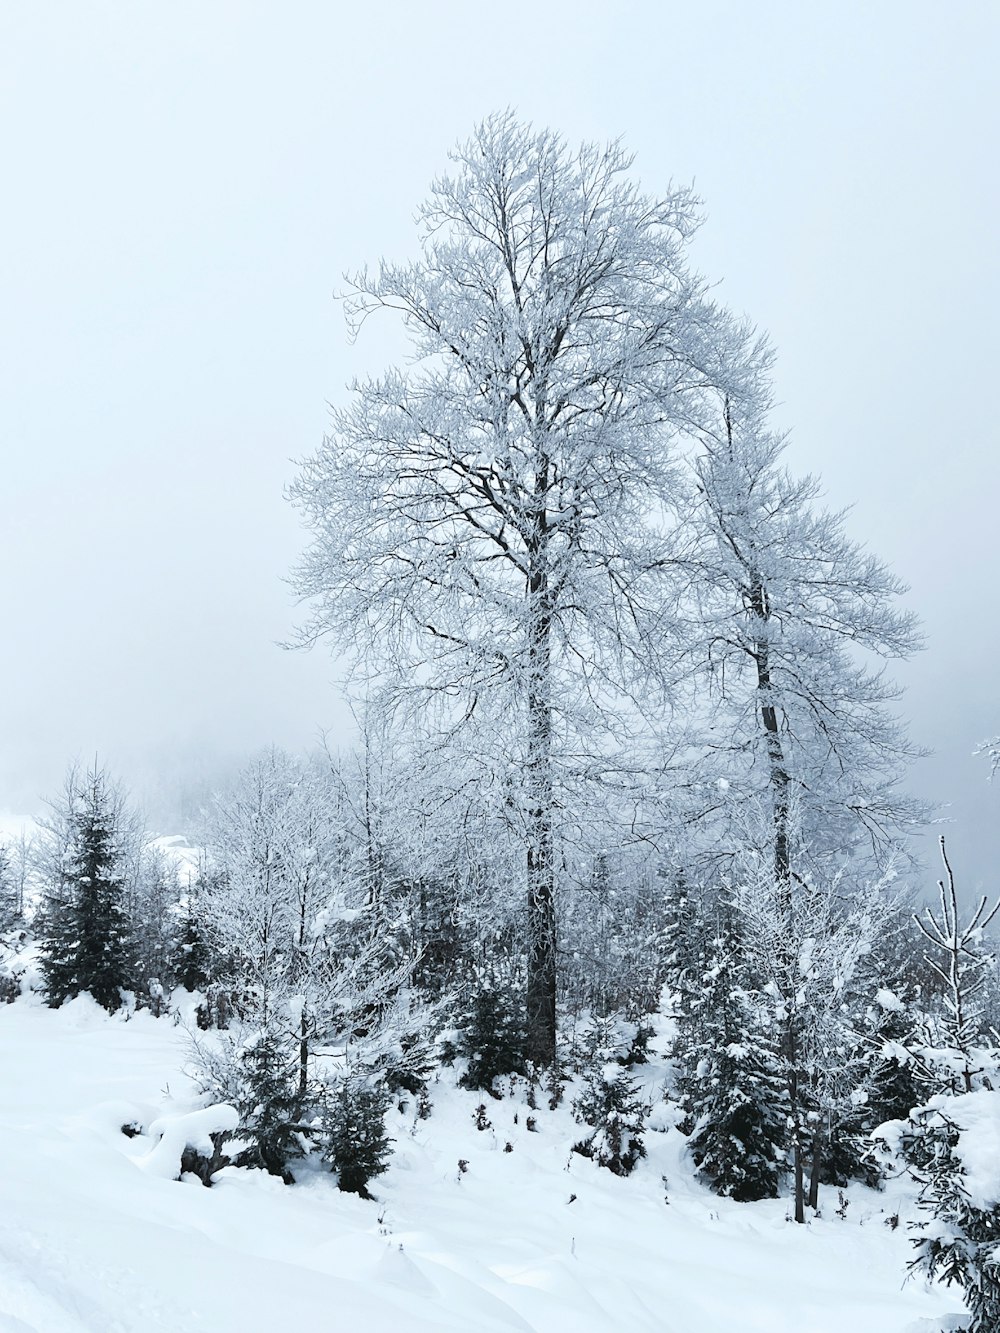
(95, 1239)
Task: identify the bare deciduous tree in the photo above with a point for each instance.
(488, 526)
(799, 619)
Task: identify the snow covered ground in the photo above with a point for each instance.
(93, 1238)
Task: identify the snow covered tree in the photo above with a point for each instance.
(11, 904)
(191, 963)
(12, 932)
(488, 526)
(806, 946)
(731, 1080)
(318, 995)
(266, 890)
(953, 1049)
(950, 1147)
(610, 1103)
(357, 1143)
(84, 929)
(792, 611)
(492, 1035)
(270, 1104)
(150, 904)
(803, 758)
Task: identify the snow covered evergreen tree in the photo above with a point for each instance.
(11, 906)
(269, 1103)
(492, 1034)
(949, 1145)
(731, 1080)
(611, 1105)
(806, 944)
(151, 906)
(84, 929)
(357, 1144)
(955, 1051)
(191, 962)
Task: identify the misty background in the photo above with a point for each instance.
(184, 186)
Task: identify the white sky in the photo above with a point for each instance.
(184, 184)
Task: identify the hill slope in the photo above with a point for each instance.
(93, 1240)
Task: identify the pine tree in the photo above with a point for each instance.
(611, 1105)
(493, 1037)
(10, 897)
(730, 1085)
(191, 960)
(269, 1106)
(85, 932)
(959, 1242)
(956, 1052)
(357, 1145)
(151, 907)
(10, 916)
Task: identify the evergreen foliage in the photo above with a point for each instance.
(269, 1107)
(952, 1054)
(357, 1143)
(85, 936)
(730, 1083)
(492, 1037)
(959, 1243)
(150, 905)
(610, 1103)
(191, 960)
(10, 896)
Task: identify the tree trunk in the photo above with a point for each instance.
(303, 1055)
(777, 771)
(817, 1164)
(541, 990)
(800, 1196)
(302, 970)
(779, 784)
(796, 1117)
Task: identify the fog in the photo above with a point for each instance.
(184, 186)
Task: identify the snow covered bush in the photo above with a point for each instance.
(190, 1144)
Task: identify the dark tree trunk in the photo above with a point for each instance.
(817, 1164)
(541, 989)
(777, 771)
(796, 1117)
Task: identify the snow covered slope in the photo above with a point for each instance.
(534, 1238)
